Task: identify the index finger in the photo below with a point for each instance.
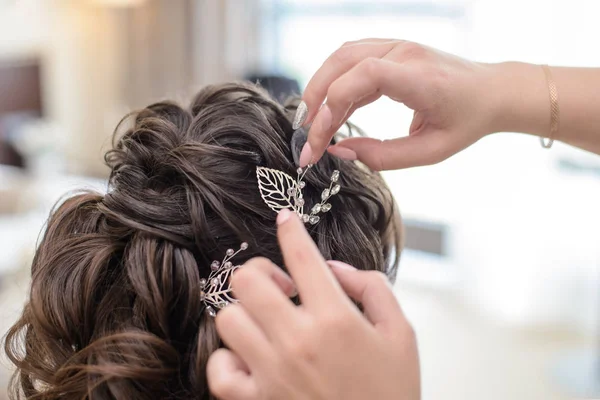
(340, 62)
(316, 284)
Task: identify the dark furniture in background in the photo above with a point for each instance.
(20, 99)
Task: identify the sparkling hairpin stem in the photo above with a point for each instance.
(216, 290)
(323, 206)
(279, 190)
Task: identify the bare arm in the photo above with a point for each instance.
(524, 105)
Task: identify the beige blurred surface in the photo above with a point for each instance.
(464, 356)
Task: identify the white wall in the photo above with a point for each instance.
(23, 28)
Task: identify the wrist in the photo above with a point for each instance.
(519, 98)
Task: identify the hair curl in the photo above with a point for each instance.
(114, 310)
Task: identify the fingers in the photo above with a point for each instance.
(242, 334)
(281, 279)
(317, 142)
(228, 377)
(342, 152)
(369, 79)
(373, 290)
(341, 61)
(262, 298)
(314, 280)
(405, 152)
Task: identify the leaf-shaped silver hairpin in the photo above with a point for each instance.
(279, 190)
(216, 291)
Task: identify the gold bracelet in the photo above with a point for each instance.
(554, 110)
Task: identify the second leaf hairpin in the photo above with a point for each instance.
(216, 290)
(279, 190)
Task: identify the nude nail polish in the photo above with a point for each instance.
(283, 216)
(306, 155)
(342, 152)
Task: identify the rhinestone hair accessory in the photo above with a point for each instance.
(216, 291)
(279, 190)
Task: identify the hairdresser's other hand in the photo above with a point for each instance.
(325, 349)
(452, 98)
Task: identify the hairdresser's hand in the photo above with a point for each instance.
(323, 350)
(453, 101)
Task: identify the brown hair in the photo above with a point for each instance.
(114, 309)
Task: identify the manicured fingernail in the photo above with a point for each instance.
(283, 216)
(342, 152)
(341, 265)
(301, 114)
(324, 118)
(285, 283)
(306, 155)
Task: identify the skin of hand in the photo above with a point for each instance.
(325, 349)
(456, 102)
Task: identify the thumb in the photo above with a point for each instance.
(373, 290)
(411, 151)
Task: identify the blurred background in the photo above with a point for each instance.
(501, 275)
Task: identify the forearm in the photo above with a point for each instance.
(523, 102)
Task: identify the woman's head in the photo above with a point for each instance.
(115, 308)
